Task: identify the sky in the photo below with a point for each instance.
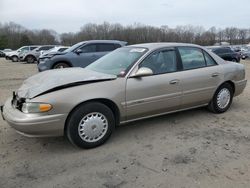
(70, 15)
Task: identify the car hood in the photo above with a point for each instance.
(44, 55)
(52, 80)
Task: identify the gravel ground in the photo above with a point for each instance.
(193, 148)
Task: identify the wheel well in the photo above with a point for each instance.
(231, 83)
(61, 62)
(106, 102)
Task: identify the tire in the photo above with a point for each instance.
(30, 59)
(234, 60)
(14, 59)
(98, 121)
(222, 99)
(60, 65)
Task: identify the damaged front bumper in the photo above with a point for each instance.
(36, 124)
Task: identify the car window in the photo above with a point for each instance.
(192, 58)
(105, 47)
(209, 60)
(118, 61)
(33, 47)
(24, 49)
(89, 48)
(45, 48)
(62, 49)
(161, 62)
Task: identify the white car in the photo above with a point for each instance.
(54, 50)
(14, 55)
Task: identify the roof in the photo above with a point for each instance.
(153, 46)
(103, 41)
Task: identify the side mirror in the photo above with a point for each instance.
(143, 71)
(79, 51)
(18, 51)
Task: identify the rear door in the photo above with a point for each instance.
(158, 93)
(200, 76)
(103, 49)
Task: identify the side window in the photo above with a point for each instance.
(209, 59)
(45, 48)
(105, 47)
(33, 47)
(89, 48)
(24, 49)
(161, 62)
(62, 49)
(192, 58)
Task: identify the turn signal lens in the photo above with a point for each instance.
(36, 107)
(45, 107)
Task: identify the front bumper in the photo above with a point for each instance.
(36, 125)
(43, 65)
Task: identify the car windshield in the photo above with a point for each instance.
(118, 61)
(70, 49)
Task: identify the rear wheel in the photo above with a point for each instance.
(61, 65)
(234, 60)
(222, 99)
(30, 59)
(90, 125)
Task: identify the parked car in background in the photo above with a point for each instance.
(227, 54)
(23, 53)
(80, 54)
(53, 51)
(14, 55)
(7, 50)
(130, 83)
(2, 54)
(32, 56)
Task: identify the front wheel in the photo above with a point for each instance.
(222, 99)
(61, 66)
(14, 59)
(90, 125)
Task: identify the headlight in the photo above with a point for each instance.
(36, 107)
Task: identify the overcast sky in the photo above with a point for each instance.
(70, 15)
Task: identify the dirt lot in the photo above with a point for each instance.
(188, 149)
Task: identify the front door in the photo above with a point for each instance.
(158, 93)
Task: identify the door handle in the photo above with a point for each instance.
(215, 74)
(174, 81)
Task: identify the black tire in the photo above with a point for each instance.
(14, 59)
(214, 106)
(82, 112)
(61, 65)
(30, 59)
(234, 60)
